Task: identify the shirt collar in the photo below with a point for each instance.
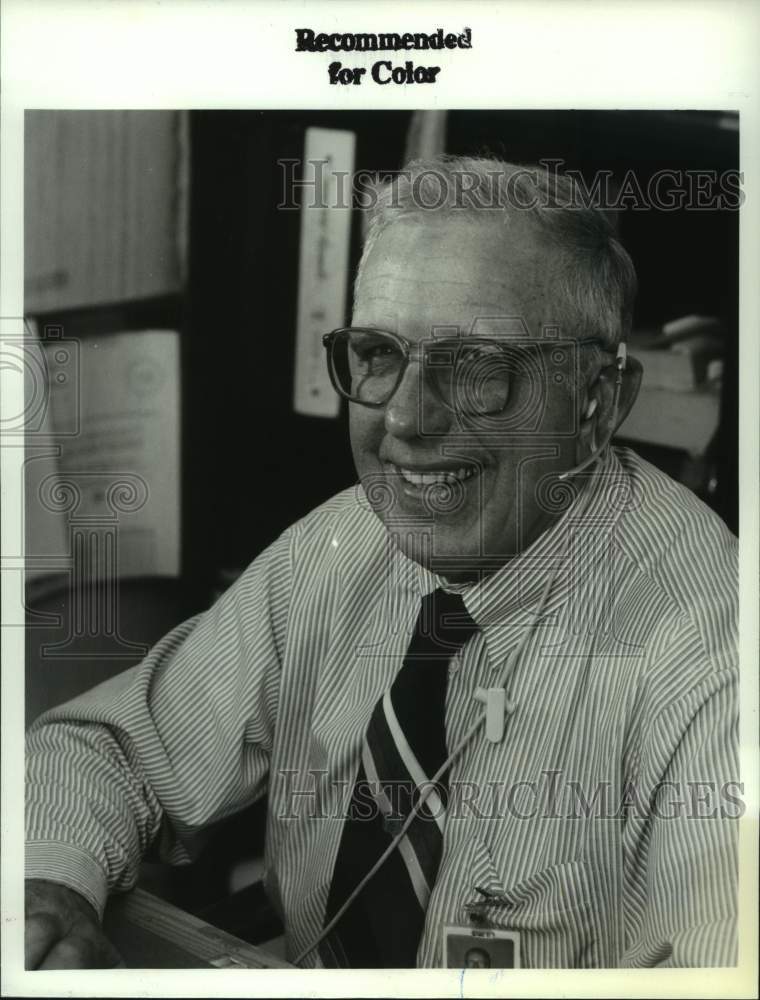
(572, 545)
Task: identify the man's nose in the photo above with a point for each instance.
(415, 409)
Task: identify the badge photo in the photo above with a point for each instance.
(480, 948)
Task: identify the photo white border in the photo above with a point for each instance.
(580, 54)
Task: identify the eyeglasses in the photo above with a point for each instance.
(472, 375)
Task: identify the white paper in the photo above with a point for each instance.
(323, 266)
(120, 473)
(47, 536)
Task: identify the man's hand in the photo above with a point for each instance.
(63, 931)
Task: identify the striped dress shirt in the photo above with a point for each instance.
(602, 827)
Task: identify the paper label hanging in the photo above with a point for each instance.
(323, 264)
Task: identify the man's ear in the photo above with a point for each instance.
(603, 391)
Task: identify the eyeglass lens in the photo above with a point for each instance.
(473, 378)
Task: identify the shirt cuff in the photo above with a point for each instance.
(68, 865)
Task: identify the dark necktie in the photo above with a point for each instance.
(404, 746)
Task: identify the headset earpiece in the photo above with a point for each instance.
(621, 361)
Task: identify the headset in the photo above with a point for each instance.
(621, 362)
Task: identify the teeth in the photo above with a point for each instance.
(442, 477)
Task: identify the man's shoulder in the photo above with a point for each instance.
(347, 507)
(343, 528)
(678, 544)
(660, 513)
(677, 568)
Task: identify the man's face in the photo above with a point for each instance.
(476, 958)
(459, 277)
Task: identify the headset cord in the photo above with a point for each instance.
(502, 682)
(621, 362)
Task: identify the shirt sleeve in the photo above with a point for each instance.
(164, 749)
(681, 909)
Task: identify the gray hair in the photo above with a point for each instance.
(596, 279)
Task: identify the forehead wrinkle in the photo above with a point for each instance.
(389, 284)
(459, 276)
(388, 307)
(518, 276)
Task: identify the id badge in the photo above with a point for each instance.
(468, 947)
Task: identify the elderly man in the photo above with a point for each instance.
(496, 678)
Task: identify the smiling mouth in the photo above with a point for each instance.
(435, 477)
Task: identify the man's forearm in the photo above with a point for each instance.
(90, 815)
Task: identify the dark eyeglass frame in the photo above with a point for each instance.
(408, 348)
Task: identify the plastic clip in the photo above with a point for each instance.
(495, 700)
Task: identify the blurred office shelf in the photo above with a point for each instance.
(667, 417)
